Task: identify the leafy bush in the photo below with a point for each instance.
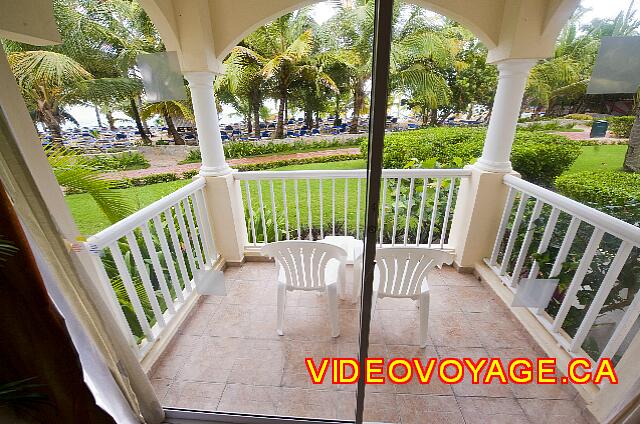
(579, 116)
(286, 162)
(539, 157)
(244, 149)
(621, 125)
(120, 162)
(546, 126)
(616, 192)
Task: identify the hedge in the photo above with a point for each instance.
(287, 162)
(621, 125)
(244, 149)
(538, 157)
(602, 188)
(579, 116)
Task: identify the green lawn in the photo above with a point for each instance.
(90, 219)
(599, 157)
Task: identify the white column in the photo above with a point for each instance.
(512, 79)
(204, 108)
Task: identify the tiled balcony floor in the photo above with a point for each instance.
(228, 357)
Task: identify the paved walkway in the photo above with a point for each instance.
(175, 168)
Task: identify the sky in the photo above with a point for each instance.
(323, 11)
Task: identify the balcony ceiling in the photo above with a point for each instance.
(204, 31)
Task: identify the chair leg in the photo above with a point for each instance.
(334, 318)
(424, 318)
(281, 303)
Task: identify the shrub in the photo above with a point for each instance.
(621, 125)
(120, 162)
(579, 116)
(193, 156)
(286, 162)
(546, 126)
(601, 188)
(244, 149)
(539, 157)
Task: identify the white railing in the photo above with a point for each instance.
(550, 236)
(149, 262)
(416, 205)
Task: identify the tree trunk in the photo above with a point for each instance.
(433, 118)
(308, 118)
(358, 98)
(177, 138)
(98, 119)
(281, 110)
(425, 117)
(51, 121)
(111, 120)
(136, 117)
(144, 122)
(256, 112)
(632, 157)
(317, 119)
(248, 119)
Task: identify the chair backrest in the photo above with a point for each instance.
(404, 269)
(303, 263)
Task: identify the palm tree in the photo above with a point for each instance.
(242, 86)
(46, 79)
(168, 110)
(279, 49)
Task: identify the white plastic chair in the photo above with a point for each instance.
(402, 272)
(308, 265)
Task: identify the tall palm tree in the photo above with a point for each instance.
(279, 49)
(46, 79)
(243, 85)
(168, 110)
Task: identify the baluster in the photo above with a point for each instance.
(310, 217)
(601, 296)
(157, 269)
(409, 207)
(295, 188)
(443, 232)
(144, 276)
(546, 239)
(286, 207)
(185, 241)
(251, 217)
(576, 282)
(127, 281)
(358, 209)
(333, 205)
(514, 233)
(192, 231)
(261, 204)
(425, 185)
(320, 191)
(384, 204)
(346, 204)
(524, 249)
(434, 212)
(395, 213)
(177, 248)
(205, 227)
(168, 258)
(504, 222)
(273, 211)
(105, 281)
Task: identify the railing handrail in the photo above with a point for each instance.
(617, 227)
(351, 173)
(122, 227)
